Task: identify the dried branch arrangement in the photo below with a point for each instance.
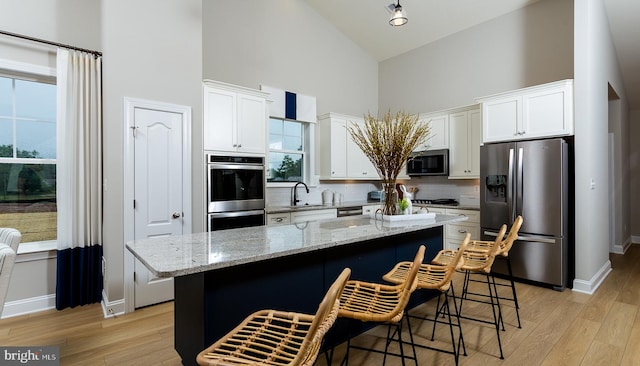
(389, 142)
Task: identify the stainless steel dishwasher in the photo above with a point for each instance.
(349, 211)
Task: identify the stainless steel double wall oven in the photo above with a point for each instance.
(235, 191)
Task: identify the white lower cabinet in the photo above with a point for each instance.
(312, 215)
(457, 231)
(453, 234)
(282, 218)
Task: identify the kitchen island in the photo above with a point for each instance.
(223, 276)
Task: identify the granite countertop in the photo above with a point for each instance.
(193, 253)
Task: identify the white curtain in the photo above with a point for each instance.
(79, 178)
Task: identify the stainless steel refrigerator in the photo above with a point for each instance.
(529, 178)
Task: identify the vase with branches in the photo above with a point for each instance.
(388, 143)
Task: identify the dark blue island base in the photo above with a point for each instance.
(209, 304)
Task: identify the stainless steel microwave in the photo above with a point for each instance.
(428, 163)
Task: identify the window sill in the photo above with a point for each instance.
(37, 247)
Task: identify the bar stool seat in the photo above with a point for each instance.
(270, 337)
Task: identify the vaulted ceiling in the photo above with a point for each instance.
(366, 23)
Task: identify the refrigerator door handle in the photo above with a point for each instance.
(538, 239)
(510, 198)
(519, 185)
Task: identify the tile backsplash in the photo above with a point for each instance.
(429, 188)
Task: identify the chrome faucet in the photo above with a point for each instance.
(294, 193)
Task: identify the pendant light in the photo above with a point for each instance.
(398, 16)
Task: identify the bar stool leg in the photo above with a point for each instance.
(513, 291)
(455, 307)
(496, 320)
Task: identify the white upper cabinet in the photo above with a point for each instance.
(540, 111)
(438, 131)
(358, 164)
(235, 118)
(464, 144)
(340, 157)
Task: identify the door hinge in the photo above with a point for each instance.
(133, 130)
(134, 204)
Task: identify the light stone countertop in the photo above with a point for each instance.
(193, 253)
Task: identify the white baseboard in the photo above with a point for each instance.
(28, 306)
(635, 239)
(111, 309)
(589, 287)
(621, 249)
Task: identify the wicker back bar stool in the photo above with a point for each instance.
(270, 337)
(439, 278)
(503, 254)
(478, 261)
(382, 303)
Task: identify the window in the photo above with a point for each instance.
(28, 156)
(286, 150)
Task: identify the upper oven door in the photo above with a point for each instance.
(235, 187)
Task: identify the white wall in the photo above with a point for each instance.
(153, 52)
(595, 67)
(530, 46)
(286, 44)
(634, 174)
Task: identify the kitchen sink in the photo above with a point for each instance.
(297, 207)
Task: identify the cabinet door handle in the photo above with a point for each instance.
(279, 219)
(462, 231)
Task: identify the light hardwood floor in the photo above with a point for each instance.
(558, 328)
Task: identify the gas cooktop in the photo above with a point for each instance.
(438, 201)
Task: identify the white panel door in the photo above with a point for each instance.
(158, 205)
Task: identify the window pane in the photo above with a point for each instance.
(275, 142)
(28, 191)
(35, 100)
(292, 143)
(6, 138)
(275, 126)
(285, 167)
(28, 200)
(36, 139)
(6, 100)
(275, 134)
(293, 129)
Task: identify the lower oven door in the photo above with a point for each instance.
(236, 219)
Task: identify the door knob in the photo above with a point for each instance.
(176, 215)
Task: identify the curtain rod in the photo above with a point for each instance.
(95, 53)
